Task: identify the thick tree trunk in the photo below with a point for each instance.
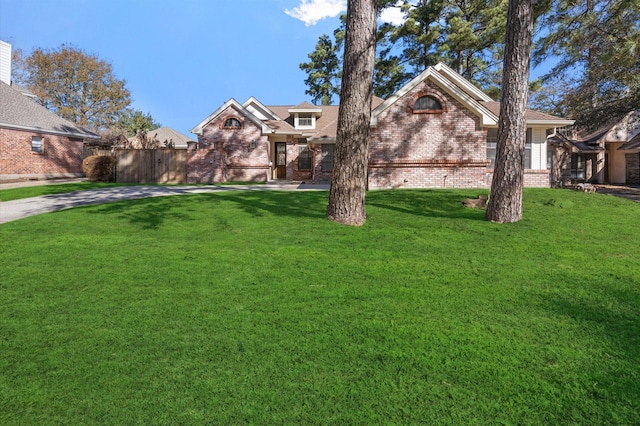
(349, 180)
(505, 204)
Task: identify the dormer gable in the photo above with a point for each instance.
(259, 110)
(234, 105)
(305, 116)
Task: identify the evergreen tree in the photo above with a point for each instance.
(323, 71)
(349, 178)
(505, 204)
(597, 45)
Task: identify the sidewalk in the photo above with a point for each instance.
(22, 183)
(18, 209)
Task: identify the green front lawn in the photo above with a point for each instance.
(252, 308)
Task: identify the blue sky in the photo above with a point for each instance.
(182, 59)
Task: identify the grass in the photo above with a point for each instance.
(252, 308)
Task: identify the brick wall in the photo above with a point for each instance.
(632, 171)
(441, 150)
(62, 155)
(229, 154)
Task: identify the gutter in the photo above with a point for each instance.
(49, 131)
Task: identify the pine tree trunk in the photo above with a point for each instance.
(349, 180)
(505, 204)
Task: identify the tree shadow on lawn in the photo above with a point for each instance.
(428, 203)
(616, 321)
(151, 213)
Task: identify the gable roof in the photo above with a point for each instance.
(168, 134)
(533, 117)
(632, 144)
(259, 110)
(452, 83)
(231, 103)
(576, 146)
(20, 112)
(626, 130)
(469, 95)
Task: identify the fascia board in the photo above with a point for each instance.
(253, 100)
(310, 110)
(550, 123)
(231, 103)
(462, 82)
(486, 116)
(49, 131)
(399, 94)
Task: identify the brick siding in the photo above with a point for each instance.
(632, 170)
(229, 154)
(61, 157)
(442, 150)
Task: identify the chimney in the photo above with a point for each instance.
(5, 62)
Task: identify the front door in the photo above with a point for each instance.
(281, 160)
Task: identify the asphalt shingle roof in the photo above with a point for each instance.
(20, 111)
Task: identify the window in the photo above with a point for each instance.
(492, 142)
(427, 104)
(37, 144)
(327, 157)
(304, 157)
(232, 123)
(305, 121)
(578, 167)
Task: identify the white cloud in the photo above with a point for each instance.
(312, 11)
(392, 15)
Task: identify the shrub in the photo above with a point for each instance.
(99, 168)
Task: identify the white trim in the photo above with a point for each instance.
(48, 131)
(462, 82)
(231, 103)
(261, 108)
(306, 110)
(559, 122)
(487, 118)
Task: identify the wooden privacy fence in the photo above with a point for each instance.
(151, 166)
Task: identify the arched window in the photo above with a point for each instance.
(232, 123)
(427, 104)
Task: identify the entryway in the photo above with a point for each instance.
(281, 160)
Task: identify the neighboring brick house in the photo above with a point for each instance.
(34, 142)
(610, 154)
(438, 131)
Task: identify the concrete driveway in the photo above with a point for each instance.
(17, 209)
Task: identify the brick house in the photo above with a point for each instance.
(610, 154)
(438, 131)
(34, 142)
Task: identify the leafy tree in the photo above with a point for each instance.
(505, 204)
(349, 179)
(133, 121)
(597, 45)
(76, 85)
